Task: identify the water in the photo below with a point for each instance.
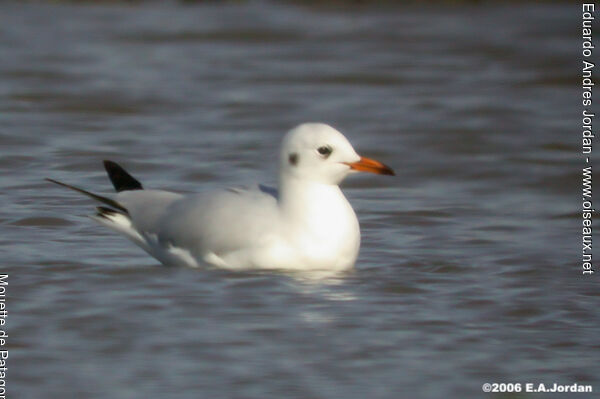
(469, 267)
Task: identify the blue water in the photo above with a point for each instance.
(469, 269)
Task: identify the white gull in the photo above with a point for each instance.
(307, 224)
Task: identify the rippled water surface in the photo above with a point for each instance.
(469, 270)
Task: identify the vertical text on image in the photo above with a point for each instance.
(587, 209)
(3, 335)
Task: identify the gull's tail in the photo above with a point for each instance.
(147, 206)
(114, 215)
(121, 180)
(105, 200)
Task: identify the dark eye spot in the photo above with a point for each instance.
(293, 159)
(325, 150)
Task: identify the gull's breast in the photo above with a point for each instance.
(329, 238)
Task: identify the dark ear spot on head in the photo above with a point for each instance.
(293, 159)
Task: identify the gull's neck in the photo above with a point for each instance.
(316, 207)
(300, 198)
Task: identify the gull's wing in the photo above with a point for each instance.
(190, 229)
(219, 222)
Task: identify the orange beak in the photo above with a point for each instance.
(372, 166)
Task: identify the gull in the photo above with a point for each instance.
(307, 224)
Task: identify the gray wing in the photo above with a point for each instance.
(218, 222)
(146, 208)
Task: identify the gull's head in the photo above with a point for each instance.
(317, 152)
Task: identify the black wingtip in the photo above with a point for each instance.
(107, 201)
(106, 213)
(121, 180)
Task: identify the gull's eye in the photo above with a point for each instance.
(325, 150)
